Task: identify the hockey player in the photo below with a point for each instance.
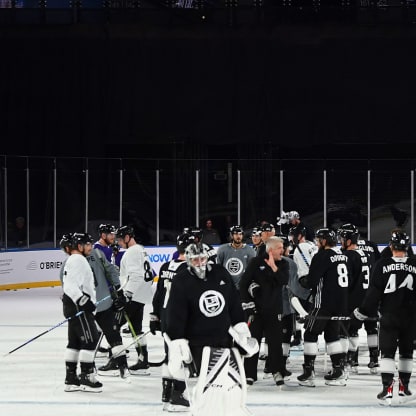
(392, 293)
(256, 238)
(370, 248)
(107, 285)
(294, 219)
(136, 279)
(168, 271)
(203, 305)
(267, 231)
(360, 268)
(261, 296)
(303, 251)
(106, 239)
(79, 296)
(236, 255)
(328, 279)
(386, 252)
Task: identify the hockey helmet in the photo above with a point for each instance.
(327, 234)
(182, 241)
(292, 215)
(267, 227)
(197, 232)
(80, 239)
(236, 229)
(197, 258)
(256, 231)
(106, 229)
(348, 232)
(399, 241)
(125, 230)
(295, 231)
(66, 241)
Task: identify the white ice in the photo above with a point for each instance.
(32, 377)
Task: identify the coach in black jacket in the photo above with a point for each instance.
(261, 295)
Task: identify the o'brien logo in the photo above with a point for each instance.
(50, 265)
(44, 265)
(32, 265)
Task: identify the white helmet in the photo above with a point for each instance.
(197, 258)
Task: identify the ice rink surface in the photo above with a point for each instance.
(32, 377)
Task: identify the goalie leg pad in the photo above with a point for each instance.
(221, 388)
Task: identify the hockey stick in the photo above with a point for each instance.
(54, 327)
(303, 314)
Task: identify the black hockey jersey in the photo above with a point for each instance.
(160, 299)
(392, 287)
(359, 277)
(370, 248)
(202, 310)
(328, 279)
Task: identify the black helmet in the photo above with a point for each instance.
(196, 232)
(236, 229)
(299, 229)
(66, 241)
(80, 238)
(399, 241)
(106, 229)
(348, 232)
(327, 234)
(125, 230)
(182, 241)
(286, 242)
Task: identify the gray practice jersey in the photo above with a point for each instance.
(235, 260)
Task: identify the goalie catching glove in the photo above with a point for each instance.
(179, 354)
(246, 344)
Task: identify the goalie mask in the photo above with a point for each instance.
(197, 259)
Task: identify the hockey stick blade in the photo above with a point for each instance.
(298, 307)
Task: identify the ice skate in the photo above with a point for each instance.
(89, 383)
(72, 382)
(336, 377)
(405, 395)
(308, 376)
(385, 396)
(140, 369)
(111, 369)
(177, 402)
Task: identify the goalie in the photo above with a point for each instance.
(203, 309)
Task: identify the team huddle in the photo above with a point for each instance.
(214, 307)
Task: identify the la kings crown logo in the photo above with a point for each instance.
(211, 303)
(234, 266)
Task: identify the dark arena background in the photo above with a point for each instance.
(233, 110)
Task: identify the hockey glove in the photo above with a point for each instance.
(254, 290)
(250, 309)
(129, 296)
(304, 282)
(119, 302)
(246, 344)
(357, 318)
(179, 354)
(84, 303)
(154, 323)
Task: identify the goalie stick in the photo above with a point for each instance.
(303, 314)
